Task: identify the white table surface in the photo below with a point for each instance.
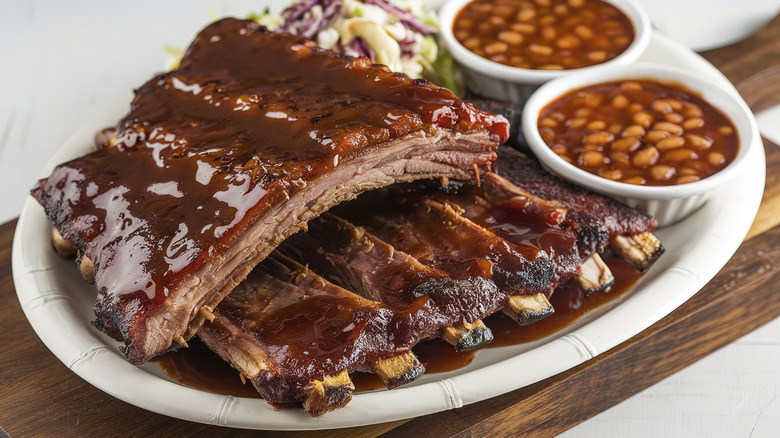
(64, 62)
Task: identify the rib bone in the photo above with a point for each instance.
(468, 336)
(207, 312)
(86, 267)
(332, 392)
(63, 246)
(527, 309)
(640, 250)
(399, 370)
(595, 275)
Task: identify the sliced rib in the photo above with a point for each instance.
(436, 234)
(294, 335)
(361, 262)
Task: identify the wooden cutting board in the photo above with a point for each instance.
(39, 396)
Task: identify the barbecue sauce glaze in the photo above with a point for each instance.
(249, 119)
(430, 239)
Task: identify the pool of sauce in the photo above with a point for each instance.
(569, 303)
(199, 368)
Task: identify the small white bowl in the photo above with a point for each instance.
(502, 82)
(669, 204)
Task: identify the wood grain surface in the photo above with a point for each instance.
(39, 396)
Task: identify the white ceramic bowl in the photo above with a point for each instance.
(669, 204)
(708, 24)
(503, 82)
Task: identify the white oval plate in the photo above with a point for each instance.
(58, 305)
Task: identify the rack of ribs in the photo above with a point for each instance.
(219, 161)
(437, 259)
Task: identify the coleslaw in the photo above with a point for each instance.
(400, 34)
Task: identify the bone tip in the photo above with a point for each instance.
(407, 376)
(528, 309)
(641, 250)
(645, 264)
(468, 336)
(399, 370)
(595, 276)
(86, 267)
(331, 393)
(528, 317)
(603, 287)
(207, 312)
(474, 339)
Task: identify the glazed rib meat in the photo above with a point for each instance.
(359, 261)
(471, 250)
(599, 218)
(436, 234)
(416, 261)
(295, 335)
(415, 241)
(219, 161)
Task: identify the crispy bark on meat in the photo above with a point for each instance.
(522, 219)
(294, 335)
(497, 227)
(361, 262)
(599, 219)
(436, 234)
(219, 161)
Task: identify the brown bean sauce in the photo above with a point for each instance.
(546, 35)
(640, 132)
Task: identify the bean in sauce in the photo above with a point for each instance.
(544, 34)
(639, 132)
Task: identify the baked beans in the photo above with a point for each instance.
(649, 145)
(546, 35)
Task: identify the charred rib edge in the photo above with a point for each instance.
(332, 392)
(595, 275)
(466, 336)
(63, 246)
(463, 336)
(527, 309)
(640, 250)
(399, 370)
